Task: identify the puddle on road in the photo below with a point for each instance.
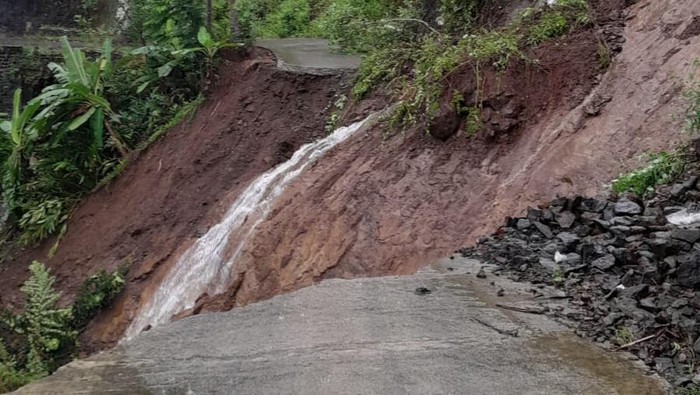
(606, 367)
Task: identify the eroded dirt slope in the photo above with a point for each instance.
(389, 206)
(255, 118)
(379, 205)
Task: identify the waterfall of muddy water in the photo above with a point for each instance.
(206, 266)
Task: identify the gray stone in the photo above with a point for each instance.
(612, 318)
(589, 217)
(691, 183)
(636, 291)
(547, 216)
(677, 190)
(652, 211)
(523, 224)
(548, 264)
(602, 223)
(637, 229)
(608, 214)
(534, 214)
(621, 221)
(544, 229)
(688, 273)
(570, 240)
(648, 303)
(605, 262)
(627, 207)
(620, 231)
(573, 259)
(593, 205)
(565, 219)
(663, 364)
(687, 235)
(672, 209)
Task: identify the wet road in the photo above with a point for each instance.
(364, 336)
(308, 55)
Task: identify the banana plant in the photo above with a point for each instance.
(78, 98)
(208, 47)
(20, 130)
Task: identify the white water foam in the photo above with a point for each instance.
(206, 266)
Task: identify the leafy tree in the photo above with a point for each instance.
(173, 23)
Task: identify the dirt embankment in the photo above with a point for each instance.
(380, 206)
(255, 118)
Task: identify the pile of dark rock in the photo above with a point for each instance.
(631, 267)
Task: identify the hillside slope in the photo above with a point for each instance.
(379, 204)
(255, 118)
(383, 206)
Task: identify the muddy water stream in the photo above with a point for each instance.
(206, 266)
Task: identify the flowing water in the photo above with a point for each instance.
(206, 266)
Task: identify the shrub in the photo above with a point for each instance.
(10, 377)
(692, 111)
(43, 336)
(551, 25)
(96, 293)
(661, 167)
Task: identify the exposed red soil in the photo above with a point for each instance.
(379, 205)
(255, 118)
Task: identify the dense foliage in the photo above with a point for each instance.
(433, 56)
(413, 46)
(43, 336)
(79, 132)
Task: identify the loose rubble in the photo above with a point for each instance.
(630, 267)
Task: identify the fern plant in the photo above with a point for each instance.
(45, 325)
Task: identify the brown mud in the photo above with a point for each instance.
(555, 127)
(255, 118)
(380, 204)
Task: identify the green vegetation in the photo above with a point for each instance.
(95, 294)
(623, 336)
(79, 132)
(43, 328)
(414, 47)
(43, 336)
(436, 55)
(664, 167)
(77, 135)
(337, 109)
(692, 111)
(660, 168)
(691, 389)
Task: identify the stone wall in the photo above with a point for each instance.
(23, 67)
(28, 16)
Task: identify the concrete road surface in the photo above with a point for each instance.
(436, 332)
(308, 55)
